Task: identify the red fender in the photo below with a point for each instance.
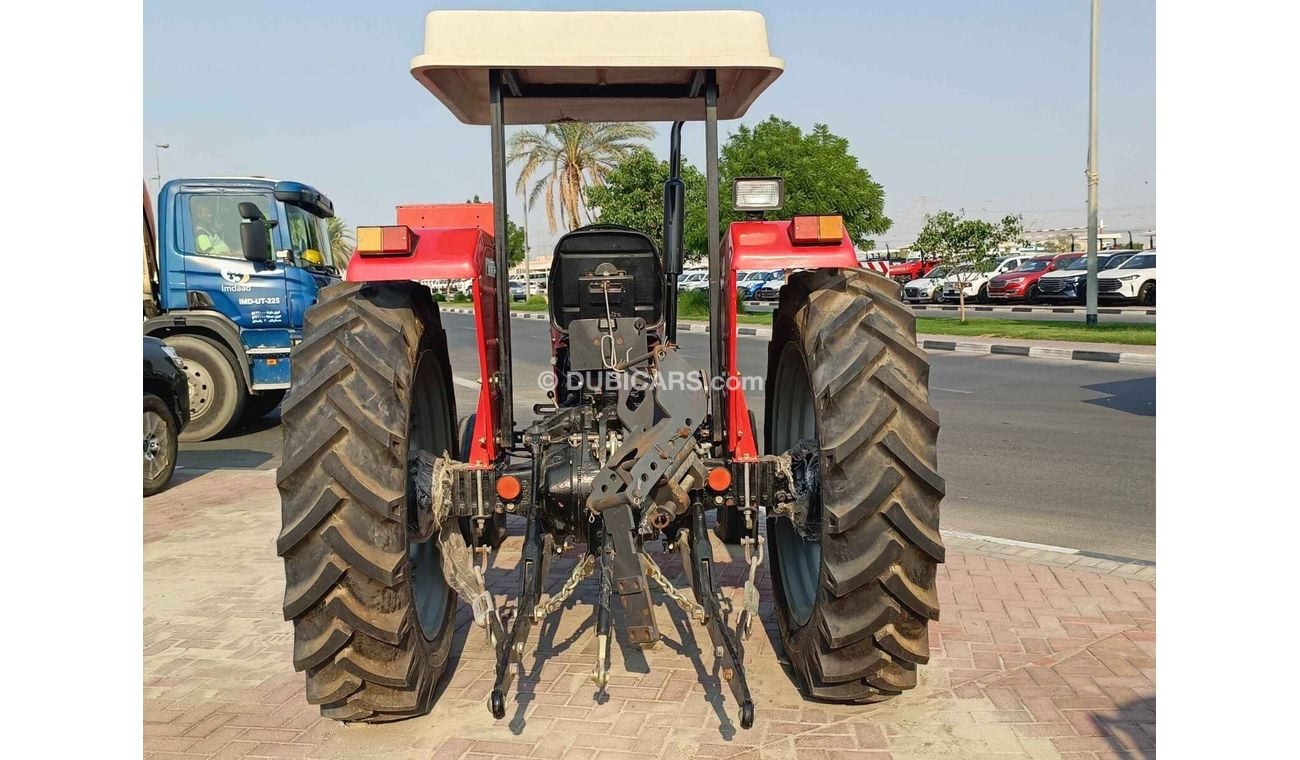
(455, 254)
(757, 245)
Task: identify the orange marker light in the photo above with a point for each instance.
(385, 241)
(719, 479)
(508, 487)
(830, 228)
(805, 230)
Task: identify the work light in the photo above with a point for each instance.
(757, 193)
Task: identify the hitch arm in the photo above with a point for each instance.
(510, 651)
(725, 645)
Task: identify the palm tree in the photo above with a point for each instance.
(341, 241)
(568, 157)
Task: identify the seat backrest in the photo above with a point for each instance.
(632, 271)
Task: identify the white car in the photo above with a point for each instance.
(927, 289)
(1134, 280)
(695, 279)
(976, 285)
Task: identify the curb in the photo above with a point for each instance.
(958, 346)
(1074, 559)
(1035, 309)
(1131, 311)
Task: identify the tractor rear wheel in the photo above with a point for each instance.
(372, 614)
(855, 584)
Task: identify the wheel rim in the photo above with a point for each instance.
(156, 451)
(429, 589)
(794, 421)
(202, 388)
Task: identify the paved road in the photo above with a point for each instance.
(1052, 452)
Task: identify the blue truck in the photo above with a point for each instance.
(231, 267)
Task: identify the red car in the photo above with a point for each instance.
(1021, 284)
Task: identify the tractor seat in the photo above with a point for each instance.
(601, 260)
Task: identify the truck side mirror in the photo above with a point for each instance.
(253, 238)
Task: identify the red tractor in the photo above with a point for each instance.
(391, 508)
(911, 269)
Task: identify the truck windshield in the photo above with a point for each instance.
(307, 233)
(215, 220)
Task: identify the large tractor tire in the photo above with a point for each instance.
(372, 614)
(217, 389)
(855, 588)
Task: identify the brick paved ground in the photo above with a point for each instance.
(1030, 660)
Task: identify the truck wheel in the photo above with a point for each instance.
(372, 614)
(729, 523)
(261, 403)
(217, 390)
(854, 586)
(159, 444)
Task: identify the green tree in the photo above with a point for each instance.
(516, 242)
(821, 176)
(516, 237)
(565, 159)
(342, 242)
(967, 248)
(633, 195)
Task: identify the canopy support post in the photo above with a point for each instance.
(505, 371)
(717, 428)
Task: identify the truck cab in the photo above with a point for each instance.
(219, 304)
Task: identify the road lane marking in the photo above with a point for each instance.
(462, 382)
(951, 390)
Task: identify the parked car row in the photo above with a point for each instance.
(1042, 278)
(750, 285)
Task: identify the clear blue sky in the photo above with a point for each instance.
(950, 103)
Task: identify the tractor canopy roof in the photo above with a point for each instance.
(595, 65)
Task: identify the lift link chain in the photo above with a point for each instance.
(694, 610)
(581, 572)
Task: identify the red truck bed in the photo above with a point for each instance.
(434, 215)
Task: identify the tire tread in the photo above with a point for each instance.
(880, 487)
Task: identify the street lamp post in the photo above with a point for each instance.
(528, 270)
(157, 165)
(1091, 301)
